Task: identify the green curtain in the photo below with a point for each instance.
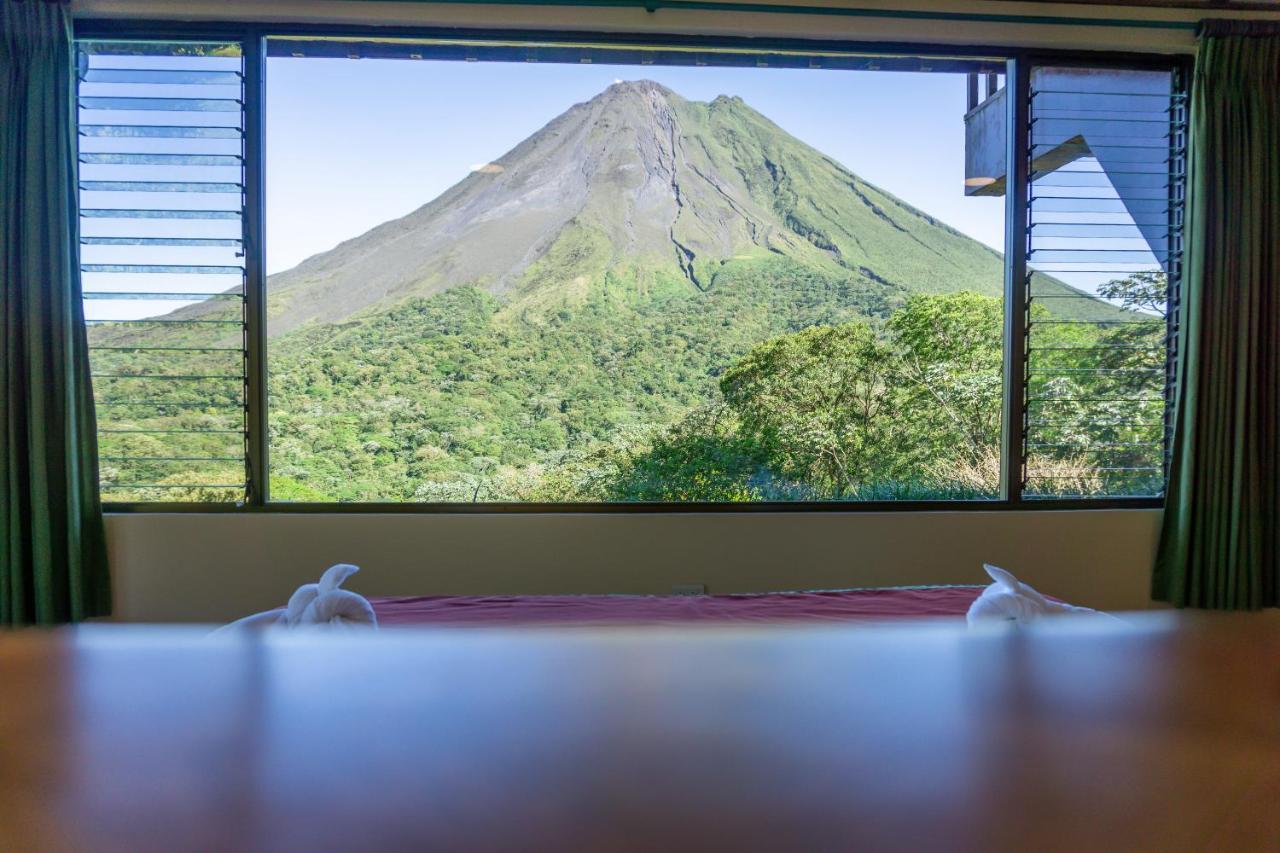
(53, 564)
(1218, 546)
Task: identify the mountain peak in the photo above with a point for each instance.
(639, 87)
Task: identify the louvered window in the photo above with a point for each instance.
(1106, 149)
(162, 253)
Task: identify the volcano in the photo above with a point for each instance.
(641, 180)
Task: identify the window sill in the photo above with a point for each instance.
(823, 507)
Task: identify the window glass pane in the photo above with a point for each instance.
(1104, 218)
(552, 281)
(161, 189)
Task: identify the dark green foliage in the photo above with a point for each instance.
(816, 404)
(451, 398)
(704, 457)
(778, 383)
(1097, 394)
(408, 404)
(845, 413)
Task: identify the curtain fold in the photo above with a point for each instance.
(1219, 543)
(53, 564)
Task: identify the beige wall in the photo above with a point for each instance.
(862, 27)
(214, 567)
(569, 17)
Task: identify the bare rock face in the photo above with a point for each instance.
(637, 176)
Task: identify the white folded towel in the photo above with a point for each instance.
(323, 603)
(1011, 600)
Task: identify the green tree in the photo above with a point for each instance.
(816, 403)
(705, 457)
(949, 358)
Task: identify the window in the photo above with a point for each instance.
(538, 274)
(162, 258)
(1106, 158)
(645, 282)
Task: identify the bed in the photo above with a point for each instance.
(828, 606)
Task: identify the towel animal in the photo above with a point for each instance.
(324, 603)
(1011, 600)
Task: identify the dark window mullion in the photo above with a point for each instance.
(255, 269)
(1017, 214)
(1173, 304)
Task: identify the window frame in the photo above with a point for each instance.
(1018, 64)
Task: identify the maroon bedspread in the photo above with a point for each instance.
(501, 610)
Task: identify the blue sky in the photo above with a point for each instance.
(354, 143)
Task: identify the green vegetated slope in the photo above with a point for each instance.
(423, 400)
(551, 316)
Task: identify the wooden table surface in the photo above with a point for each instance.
(1163, 735)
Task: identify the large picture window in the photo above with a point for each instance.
(539, 274)
(626, 282)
